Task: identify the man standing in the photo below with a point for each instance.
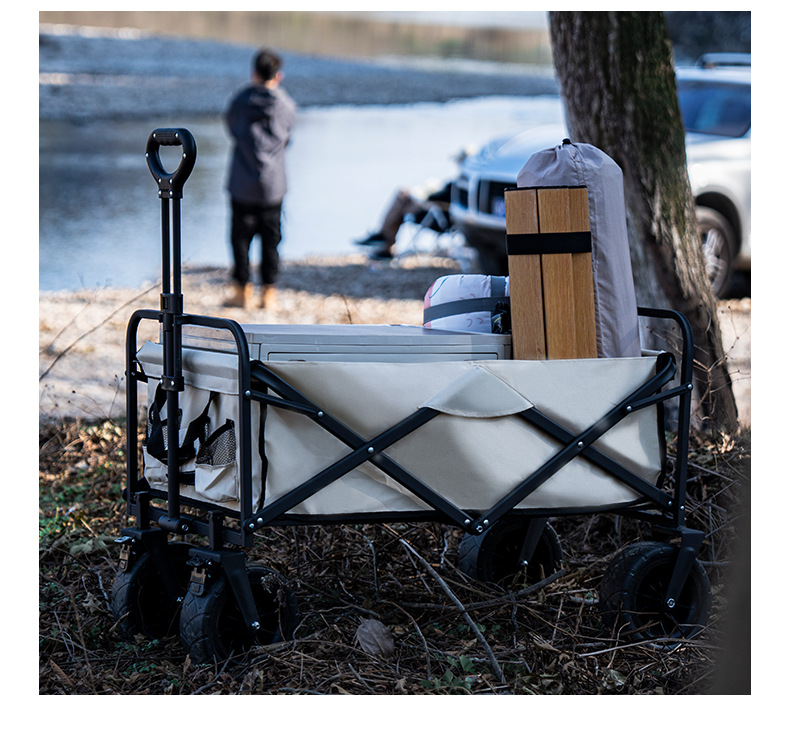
(259, 119)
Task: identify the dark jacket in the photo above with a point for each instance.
(259, 120)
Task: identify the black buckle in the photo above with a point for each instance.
(125, 557)
(197, 581)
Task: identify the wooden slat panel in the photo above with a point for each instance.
(526, 292)
(552, 294)
(558, 298)
(578, 210)
(582, 272)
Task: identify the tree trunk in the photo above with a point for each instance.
(618, 84)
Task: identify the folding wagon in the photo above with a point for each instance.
(251, 426)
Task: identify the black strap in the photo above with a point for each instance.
(197, 428)
(519, 244)
(469, 305)
(155, 444)
(498, 285)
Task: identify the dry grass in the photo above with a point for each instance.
(544, 641)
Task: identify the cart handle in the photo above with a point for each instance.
(171, 184)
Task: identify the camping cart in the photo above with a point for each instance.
(251, 426)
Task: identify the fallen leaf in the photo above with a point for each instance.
(92, 604)
(61, 674)
(375, 638)
(544, 646)
(613, 679)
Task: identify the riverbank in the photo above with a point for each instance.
(90, 74)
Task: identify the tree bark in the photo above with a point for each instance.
(616, 73)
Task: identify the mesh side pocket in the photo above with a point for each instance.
(215, 465)
(156, 433)
(155, 443)
(220, 447)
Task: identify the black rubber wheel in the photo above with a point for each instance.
(719, 245)
(139, 601)
(212, 628)
(493, 556)
(632, 593)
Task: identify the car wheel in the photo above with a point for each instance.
(719, 247)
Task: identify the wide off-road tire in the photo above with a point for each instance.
(212, 628)
(493, 556)
(632, 595)
(139, 601)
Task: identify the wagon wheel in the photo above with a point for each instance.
(212, 628)
(139, 600)
(494, 556)
(632, 594)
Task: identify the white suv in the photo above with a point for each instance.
(715, 101)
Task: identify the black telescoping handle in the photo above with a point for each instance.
(171, 183)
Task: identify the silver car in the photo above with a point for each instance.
(715, 101)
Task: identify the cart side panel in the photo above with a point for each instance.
(472, 458)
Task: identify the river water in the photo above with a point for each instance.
(99, 213)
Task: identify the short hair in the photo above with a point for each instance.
(267, 64)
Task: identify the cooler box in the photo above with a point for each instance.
(353, 342)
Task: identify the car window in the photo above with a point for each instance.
(718, 109)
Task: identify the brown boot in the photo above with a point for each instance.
(240, 297)
(268, 297)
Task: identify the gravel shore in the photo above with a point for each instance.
(86, 76)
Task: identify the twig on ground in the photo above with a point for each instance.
(499, 600)
(65, 327)
(469, 621)
(422, 637)
(93, 329)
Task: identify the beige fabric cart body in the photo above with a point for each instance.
(473, 452)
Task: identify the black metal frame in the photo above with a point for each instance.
(229, 531)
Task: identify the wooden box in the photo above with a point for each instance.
(549, 248)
